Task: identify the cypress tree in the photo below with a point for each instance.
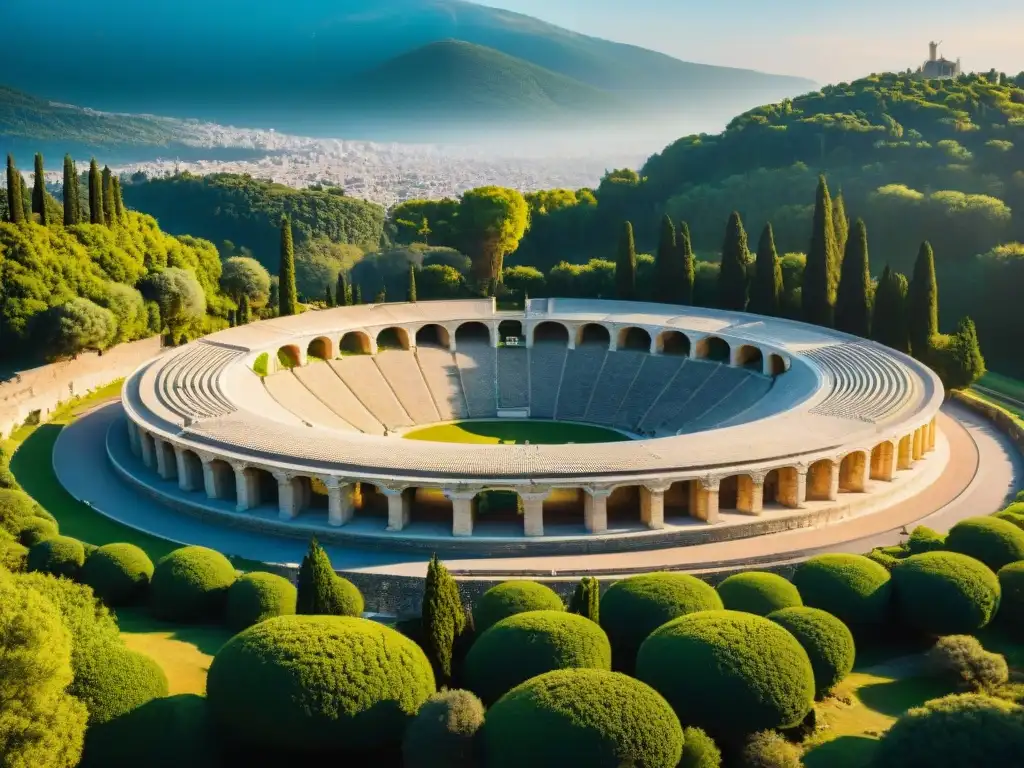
(95, 194)
(118, 201)
(411, 293)
(316, 583)
(821, 275)
(243, 310)
(287, 296)
(840, 223)
(15, 204)
(853, 303)
(889, 325)
(666, 263)
(766, 290)
(358, 294)
(625, 265)
(443, 618)
(232, 318)
(108, 197)
(586, 599)
(328, 296)
(732, 278)
(72, 211)
(968, 363)
(341, 292)
(923, 303)
(684, 288)
(39, 191)
(26, 199)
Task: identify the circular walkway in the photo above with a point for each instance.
(983, 469)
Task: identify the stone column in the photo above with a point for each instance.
(932, 430)
(854, 473)
(289, 496)
(792, 487)
(919, 443)
(906, 458)
(462, 511)
(595, 509)
(652, 506)
(572, 336)
(823, 482)
(704, 499)
(533, 512)
(133, 438)
(654, 344)
(147, 450)
(340, 509)
(613, 340)
(883, 461)
(165, 463)
(750, 494)
(187, 476)
(399, 507)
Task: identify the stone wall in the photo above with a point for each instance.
(38, 391)
(1002, 420)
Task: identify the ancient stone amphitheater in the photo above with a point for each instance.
(741, 425)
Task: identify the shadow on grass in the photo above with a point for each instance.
(207, 638)
(895, 697)
(843, 752)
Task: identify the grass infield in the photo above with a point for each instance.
(513, 432)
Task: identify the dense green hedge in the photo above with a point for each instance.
(443, 733)
(965, 730)
(258, 596)
(633, 608)
(588, 717)
(35, 530)
(529, 644)
(112, 680)
(16, 508)
(311, 683)
(924, 539)
(699, 750)
(756, 592)
(993, 541)
(1012, 516)
(828, 642)
(118, 573)
(1011, 601)
(945, 593)
(191, 584)
(13, 556)
(850, 587)
(512, 597)
(59, 556)
(729, 673)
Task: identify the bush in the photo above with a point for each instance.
(258, 596)
(959, 730)
(1015, 517)
(66, 329)
(59, 556)
(35, 530)
(633, 608)
(828, 642)
(443, 733)
(993, 541)
(1011, 601)
(112, 680)
(768, 749)
(962, 660)
(924, 539)
(118, 573)
(190, 584)
(13, 556)
(699, 750)
(588, 717)
(759, 593)
(730, 673)
(510, 598)
(310, 683)
(85, 617)
(883, 558)
(529, 644)
(321, 591)
(945, 593)
(850, 587)
(16, 508)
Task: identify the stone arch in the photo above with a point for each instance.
(320, 347)
(190, 470)
(729, 493)
(550, 332)
(507, 328)
(267, 490)
(593, 335)
(289, 356)
(677, 499)
(775, 365)
(356, 343)
(319, 496)
(750, 357)
(772, 487)
(430, 505)
(624, 506)
(673, 343)
(221, 484)
(472, 331)
(853, 472)
(714, 349)
(368, 501)
(433, 335)
(393, 338)
(905, 458)
(634, 338)
(498, 505)
(819, 481)
(883, 461)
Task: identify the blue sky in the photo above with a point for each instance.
(825, 40)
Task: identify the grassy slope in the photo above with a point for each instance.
(510, 432)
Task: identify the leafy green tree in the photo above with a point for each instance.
(15, 205)
(411, 293)
(889, 324)
(923, 303)
(766, 289)
(39, 191)
(732, 279)
(840, 223)
(529, 281)
(244, 276)
(958, 358)
(491, 221)
(443, 617)
(821, 276)
(107, 179)
(287, 296)
(441, 281)
(242, 318)
(95, 194)
(72, 211)
(342, 298)
(667, 268)
(586, 599)
(129, 311)
(684, 289)
(181, 300)
(75, 326)
(853, 302)
(625, 265)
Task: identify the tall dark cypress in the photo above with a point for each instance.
(357, 294)
(625, 265)
(443, 618)
(95, 194)
(328, 296)
(108, 197)
(684, 289)
(840, 223)
(341, 294)
(243, 310)
(39, 191)
(732, 278)
(889, 324)
(821, 275)
(923, 303)
(411, 291)
(72, 214)
(666, 263)
(287, 295)
(853, 301)
(766, 288)
(586, 599)
(118, 201)
(15, 204)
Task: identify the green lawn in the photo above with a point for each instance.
(1004, 385)
(510, 432)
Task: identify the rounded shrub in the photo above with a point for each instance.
(828, 642)
(59, 556)
(963, 660)
(529, 644)
(958, 730)
(318, 683)
(1011, 600)
(36, 529)
(119, 574)
(190, 584)
(512, 597)
(756, 592)
(851, 587)
(443, 733)
(699, 750)
(993, 541)
(924, 539)
(769, 749)
(112, 680)
(633, 608)
(730, 673)
(13, 556)
(945, 593)
(1017, 518)
(258, 596)
(588, 717)
(15, 508)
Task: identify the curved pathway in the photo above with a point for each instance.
(983, 469)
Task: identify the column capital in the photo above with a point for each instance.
(283, 477)
(390, 491)
(599, 493)
(332, 482)
(661, 487)
(206, 458)
(758, 478)
(459, 494)
(710, 482)
(535, 495)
